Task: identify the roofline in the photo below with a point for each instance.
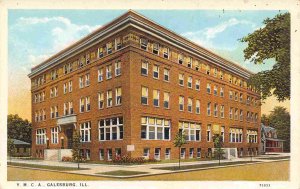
(130, 16)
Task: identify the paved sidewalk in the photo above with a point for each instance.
(97, 169)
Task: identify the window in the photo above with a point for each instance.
(190, 82)
(189, 62)
(118, 44)
(190, 105)
(221, 75)
(155, 128)
(66, 109)
(155, 71)
(223, 133)
(41, 136)
(241, 115)
(100, 100)
(222, 111)
(100, 52)
(181, 79)
(111, 129)
(215, 72)
(236, 135)
(146, 153)
(85, 132)
(251, 136)
(144, 69)
(248, 116)
(180, 58)
(44, 114)
(52, 112)
(65, 87)
(230, 95)
(197, 107)
(208, 108)
(236, 114)
(221, 91)
(208, 133)
(208, 89)
(109, 47)
(207, 70)
(181, 103)
(197, 65)
(166, 100)
(215, 90)
(109, 154)
(108, 72)
(144, 98)
(87, 58)
(192, 131)
(182, 153)
(56, 111)
(100, 74)
(216, 110)
(155, 48)
(168, 153)
(81, 82)
(118, 68)
(82, 61)
(51, 94)
(197, 85)
(236, 96)
(230, 78)
(70, 86)
(118, 96)
(71, 111)
(87, 79)
(256, 118)
(54, 135)
(109, 98)
(88, 103)
(101, 154)
(144, 43)
(156, 98)
(166, 74)
(81, 102)
(231, 113)
(191, 153)
(56, 91)
(157, 153)
(166, 52)
(198, 152)
(248, 100)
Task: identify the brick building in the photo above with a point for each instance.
(131, 85)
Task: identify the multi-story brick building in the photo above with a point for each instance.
(131, 85)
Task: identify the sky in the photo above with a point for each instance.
(35, 35)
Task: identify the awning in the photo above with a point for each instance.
(274, 139)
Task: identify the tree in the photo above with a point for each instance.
(76, 145)
(10, 148)
(272, 42)
(18, 128)
(218, 147)
(179, 141)
(280, 120)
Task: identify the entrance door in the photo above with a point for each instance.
(69, 134)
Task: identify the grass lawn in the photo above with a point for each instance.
(275, 158)
(184, 167)
(122, 173)
(58, 168)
